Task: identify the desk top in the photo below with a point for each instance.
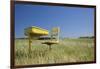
(36, 31)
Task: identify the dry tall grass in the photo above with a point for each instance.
(68, 50)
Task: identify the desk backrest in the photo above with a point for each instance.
(55, 33)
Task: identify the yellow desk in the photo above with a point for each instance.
(36, 32)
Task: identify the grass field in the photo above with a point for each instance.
(68, 50)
